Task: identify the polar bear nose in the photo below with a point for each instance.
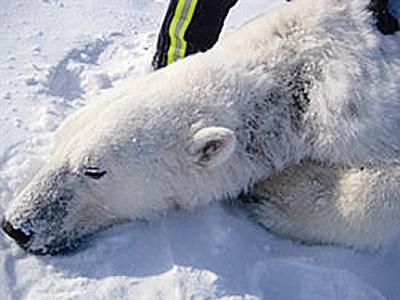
(17, 234)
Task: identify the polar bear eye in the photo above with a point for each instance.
(94, 173)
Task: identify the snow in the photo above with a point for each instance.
(56, 56)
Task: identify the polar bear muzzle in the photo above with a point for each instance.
(43, 218)
(18, 235)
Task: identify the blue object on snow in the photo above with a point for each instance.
(394, 8)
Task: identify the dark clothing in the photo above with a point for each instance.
(385, 21)
(190, 26)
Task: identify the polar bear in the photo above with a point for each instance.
(298, 113)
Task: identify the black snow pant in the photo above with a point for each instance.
(190, 26)
(385, 21)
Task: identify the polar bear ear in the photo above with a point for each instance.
(212, 146)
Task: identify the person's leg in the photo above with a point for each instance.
(387, 15)
(394, 8)
(190, 26)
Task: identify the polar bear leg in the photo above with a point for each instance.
(318, 204)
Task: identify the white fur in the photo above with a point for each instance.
(318, 204)
(311, 81)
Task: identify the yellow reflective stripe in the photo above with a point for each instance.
(180, 22)
(185, 25)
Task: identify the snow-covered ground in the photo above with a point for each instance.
(56, 56)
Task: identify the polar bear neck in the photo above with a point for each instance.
(314, 73)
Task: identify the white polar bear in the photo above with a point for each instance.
(298, 111)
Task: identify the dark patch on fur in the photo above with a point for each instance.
(284, 105)
(299, 88)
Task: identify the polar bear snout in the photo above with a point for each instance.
(42, 219)
(18, 235)
(39, 228)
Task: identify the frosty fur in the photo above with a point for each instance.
(299, 110)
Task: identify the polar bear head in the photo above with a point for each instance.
(301, 83)
(132, 156)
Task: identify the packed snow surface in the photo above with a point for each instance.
(56, 56)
